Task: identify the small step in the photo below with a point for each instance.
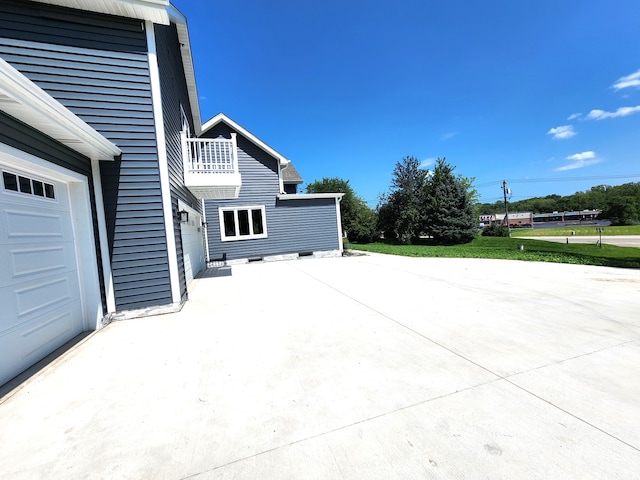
(224, 271)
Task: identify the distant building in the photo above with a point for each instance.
(575, 216)
(516, 219)
(528, 219)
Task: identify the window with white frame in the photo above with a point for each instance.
(242, 223)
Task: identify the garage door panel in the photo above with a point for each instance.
(34, 340)
(27, 300)
(40, 291)
(45, 225)
(33, 260)
(47, 334)
(192, 246)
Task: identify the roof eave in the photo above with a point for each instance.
(308, 196)
(153, 10)
(187, 62)
(24, 100)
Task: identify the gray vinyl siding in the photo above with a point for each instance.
(97, 66)
(174, 94)
(293, 226)
(22, 137)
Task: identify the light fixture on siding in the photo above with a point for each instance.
(183, 216)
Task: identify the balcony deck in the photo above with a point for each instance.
(211, 167)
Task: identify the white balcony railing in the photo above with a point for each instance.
(211, 167)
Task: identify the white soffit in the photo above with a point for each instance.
(153, 10)
(221, 117)
(24, 100)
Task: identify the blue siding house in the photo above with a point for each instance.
(95, 97)
(262, 216)
(109, 182)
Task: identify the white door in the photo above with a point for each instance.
(40, 294)
(192, 244)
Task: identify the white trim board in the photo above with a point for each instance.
(169, 217)
(308, 196)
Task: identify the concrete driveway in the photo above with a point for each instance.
(370, 367)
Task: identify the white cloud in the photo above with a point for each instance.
(582, 156)
(562, 132)
(621, 112)
(632, 80)
(579, 160)
(573, 116)
(449, 135)
(427, 162)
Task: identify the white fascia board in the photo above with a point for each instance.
(187, 63)
(308, 196)
(24, 100)
(152, 10)
(221, 117)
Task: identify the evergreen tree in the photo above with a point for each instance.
(401, 212)
(448, 206)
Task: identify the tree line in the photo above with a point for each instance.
(619, 204)
(437, 204)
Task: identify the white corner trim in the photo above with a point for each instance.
(169, 226)
(30, 104)
(308, 196)
(339, 219)
(221, 117)
(205, 228)
(103, 239)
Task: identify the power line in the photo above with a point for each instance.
(558, 179)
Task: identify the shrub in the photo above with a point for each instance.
(495, 230)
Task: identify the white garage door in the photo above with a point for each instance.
(40, 298)
(192, 244)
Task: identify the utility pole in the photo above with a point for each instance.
(506, 191)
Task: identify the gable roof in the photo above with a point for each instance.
(222, 118)
(24, 100)
(291, 175)
(161, 12)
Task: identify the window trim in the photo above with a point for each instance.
(237, 236)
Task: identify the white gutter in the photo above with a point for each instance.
(308, 196)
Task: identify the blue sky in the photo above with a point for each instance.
(544, 94)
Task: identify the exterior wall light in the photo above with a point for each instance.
(183, 216)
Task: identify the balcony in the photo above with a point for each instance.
(211, 167)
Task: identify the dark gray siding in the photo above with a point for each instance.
(290, 188)
(174, 94)
(22, 137)
(293, 226)
(97, 66)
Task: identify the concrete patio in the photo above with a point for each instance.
(372, 367)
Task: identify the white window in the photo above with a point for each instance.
(242, 223)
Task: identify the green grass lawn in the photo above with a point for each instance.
(507, 248)
(579, 230)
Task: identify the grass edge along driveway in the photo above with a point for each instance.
(516, 249)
